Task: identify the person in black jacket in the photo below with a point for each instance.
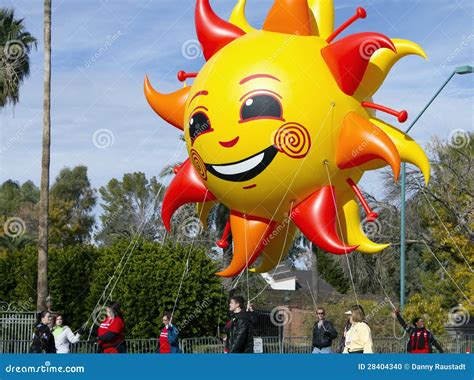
(241, 327)
(323, 334)
(421, 339)
(43, 339)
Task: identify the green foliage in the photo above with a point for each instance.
(331, 272)
(18, 275)
(15, 46)
(72, 200)
(13, 196)
(130, 206)
(430, 309)
(150, 284)
(70, 277)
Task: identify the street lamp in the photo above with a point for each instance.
(461, 70)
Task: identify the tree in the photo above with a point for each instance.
(131, 209)
(18, 205)
(440, 231)
(72, 200)
(15, 46)
(42, 285)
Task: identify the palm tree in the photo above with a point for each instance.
(42, 284)
(15, 46)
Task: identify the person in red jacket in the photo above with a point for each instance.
(421, 339)
(168, 342)
(111, 338)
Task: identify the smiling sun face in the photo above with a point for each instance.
(277, 129)
(259, 129)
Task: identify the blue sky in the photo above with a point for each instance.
(102, 49)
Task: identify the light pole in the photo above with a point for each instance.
(461, 70)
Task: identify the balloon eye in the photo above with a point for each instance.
(261, 107)
(198, 124)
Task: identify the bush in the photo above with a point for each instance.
(149, 286)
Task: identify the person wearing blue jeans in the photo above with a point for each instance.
(323, 334)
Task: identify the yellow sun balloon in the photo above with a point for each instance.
(279, 127)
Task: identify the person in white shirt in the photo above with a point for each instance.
(359, 336)
(63, 336)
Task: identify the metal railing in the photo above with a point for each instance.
(16, 325)
(270, 345)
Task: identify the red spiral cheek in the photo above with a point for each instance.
(198, 164)
(293, 140)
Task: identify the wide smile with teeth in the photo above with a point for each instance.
(245, 169)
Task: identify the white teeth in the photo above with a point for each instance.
(241, 167)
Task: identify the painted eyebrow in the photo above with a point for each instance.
(255, 76)
(204, 92)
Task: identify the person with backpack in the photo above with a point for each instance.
(43, 339)
(323, 334)
(111, 333)
(241, 327)
(63, 336)
(421, 339)
(168, 342)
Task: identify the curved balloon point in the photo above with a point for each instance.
(250, 235)
(213, 32)
(186, 187)
(408, 148)
(169, 107)
(349, 57)
(289, 17)
(239, 19)
(382, 62)
(323, 17)
(357, 132)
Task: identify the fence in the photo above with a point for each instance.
(270, 345)
(16, 330)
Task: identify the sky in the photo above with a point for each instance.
(102, 50)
